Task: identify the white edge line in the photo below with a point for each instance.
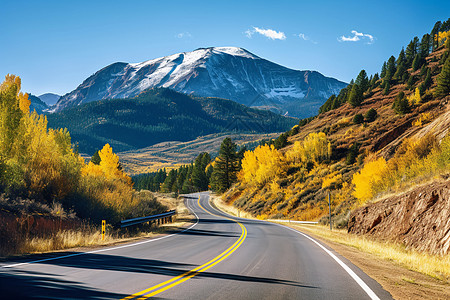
(352, 274)
(355, 277)
(106, 249)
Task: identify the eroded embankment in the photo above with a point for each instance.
(419, 219)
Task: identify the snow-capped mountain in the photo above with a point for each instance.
(226, 72)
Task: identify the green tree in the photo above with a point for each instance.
(434, 31)
(411, 81)
(383, 70)
(352, 153)
(425, 45)
(412, 50)
(391, 68)
(428, 81)
(371, 115)
(362, 81)
(95, 159)
(226, 166)
(417, 62)
(281, 141)
(373, 81)
(401, 104)
(387, 88)
(199, 179)
(356, 96)
(358, 119)
(401, 58)
(443, 80)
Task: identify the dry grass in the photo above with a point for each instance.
(432, 265)
(230, 209)
(80, 235)
(68, 239)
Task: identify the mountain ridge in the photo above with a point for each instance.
(223, 72)
(158, 115)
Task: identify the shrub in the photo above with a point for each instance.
(371, 115)
(358, 119)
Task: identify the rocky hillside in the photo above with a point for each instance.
(224, 72)
(419, 219)
(390, 125)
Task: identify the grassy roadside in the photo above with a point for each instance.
(90, 236)
(403, 273)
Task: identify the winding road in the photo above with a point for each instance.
(217, 257)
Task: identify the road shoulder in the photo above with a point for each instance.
(399, 281)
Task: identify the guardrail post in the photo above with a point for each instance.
(103, 229)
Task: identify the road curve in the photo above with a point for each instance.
(218, 257)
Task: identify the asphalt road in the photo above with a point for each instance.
(219, 257)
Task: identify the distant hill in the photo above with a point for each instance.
(224, 72)
(171, 154)
(49, 98)
(37, 104)
(159, 115)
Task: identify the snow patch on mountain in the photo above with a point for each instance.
(226, 72)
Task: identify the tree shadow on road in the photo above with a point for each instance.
(18, 284)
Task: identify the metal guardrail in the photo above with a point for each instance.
(135, 221)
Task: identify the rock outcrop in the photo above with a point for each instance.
(419, 219)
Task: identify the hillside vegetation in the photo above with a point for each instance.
(160, 115)
(46, 187)
(379, 135)
(169, 155)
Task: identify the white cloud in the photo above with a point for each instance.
(269, 33)
(183, 35)
(357, 36)
(305, 37)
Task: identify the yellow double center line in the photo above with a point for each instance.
(163, 286)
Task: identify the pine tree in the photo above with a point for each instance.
(443, 80)
(416, 62)
(358, 119)
(412, 50)
(387, 87)
(226, 166)
(401, 58)
(425, 45)
(434, 31)
(428, 81)
(383, 70)
(373, 82)
(371, 115)
(401, 69)
(355, 98)
(362, 81)
(411, 81)
(401, 104)
(199, 178)
(95, 159)
(391, 68)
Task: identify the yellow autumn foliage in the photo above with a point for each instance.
(39, 163)
(261, 165)
(442, 37)
(423, 119)
(314, 148)
(365, 179)
(414, 98)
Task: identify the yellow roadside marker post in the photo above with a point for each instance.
(103, 229)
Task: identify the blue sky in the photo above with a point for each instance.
(54, 45)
